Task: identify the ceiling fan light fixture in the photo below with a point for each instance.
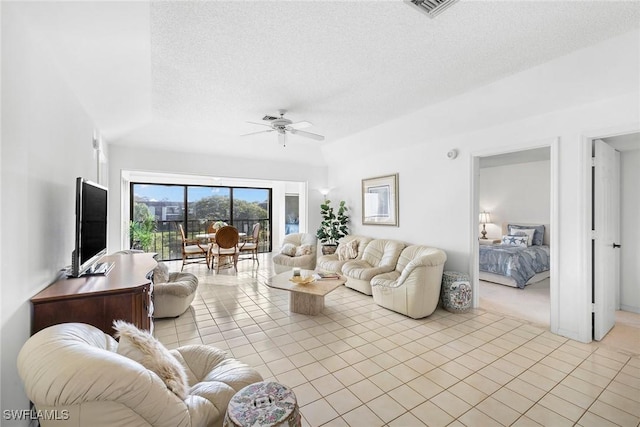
(431, 7)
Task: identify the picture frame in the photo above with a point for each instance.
(380, 200)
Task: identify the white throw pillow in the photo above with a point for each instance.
(520, 240)
(303, 250)
(520, 231)
(348, 250)
(161, 273)
(288, 249)
(142, 347)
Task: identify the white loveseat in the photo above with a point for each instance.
(413, 288)
(75, 368)
(379, 256)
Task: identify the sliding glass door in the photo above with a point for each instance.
(157, 209)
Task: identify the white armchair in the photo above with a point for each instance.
(334, 262)
(413, 288)
(380, 256)
(298, 250)
(75, 368)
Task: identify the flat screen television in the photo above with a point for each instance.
(91, 229)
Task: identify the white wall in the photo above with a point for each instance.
(515, 193)
(435, 193)
(46, 144)
(629, 230)
(122, 158)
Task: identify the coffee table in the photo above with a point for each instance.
(305, 299)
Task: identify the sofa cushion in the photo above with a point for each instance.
(142, 347)
(161, 273)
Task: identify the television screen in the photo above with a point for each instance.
(91, 226)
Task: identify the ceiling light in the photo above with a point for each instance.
(432, 7)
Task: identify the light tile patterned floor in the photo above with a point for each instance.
(358, 364)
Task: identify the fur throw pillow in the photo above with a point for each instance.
(303, 250)
(288, 249)
(142, 347)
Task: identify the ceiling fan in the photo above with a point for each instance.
(284, 126)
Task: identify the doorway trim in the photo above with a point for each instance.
(586, 142)
(553, 144)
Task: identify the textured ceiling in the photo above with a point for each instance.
(190, 74)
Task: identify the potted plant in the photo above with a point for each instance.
(333, 226)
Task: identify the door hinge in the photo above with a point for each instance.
(593, 162)
(593, 307)
(593, 235)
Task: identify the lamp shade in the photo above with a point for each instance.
(485, 218)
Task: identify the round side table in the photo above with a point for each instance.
(265, 404)
(455, 293)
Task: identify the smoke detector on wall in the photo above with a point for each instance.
(432, 7)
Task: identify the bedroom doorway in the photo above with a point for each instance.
(516, 185)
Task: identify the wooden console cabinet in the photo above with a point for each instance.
(125, 293)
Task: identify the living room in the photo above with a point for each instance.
(48, 125)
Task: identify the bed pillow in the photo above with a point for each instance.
(523, 232)
(538, 236)
(521, 240)
(142, 347)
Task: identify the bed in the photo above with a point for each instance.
(517, 266)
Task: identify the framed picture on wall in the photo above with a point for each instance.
(380, 200)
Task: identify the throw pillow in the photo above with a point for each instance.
(348, 250)
(288, 249)
(523, 232)
(161, 273)
(142, 347)
(538, 237)
(510, 240)
(303, 250)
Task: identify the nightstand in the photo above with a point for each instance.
(489, 241)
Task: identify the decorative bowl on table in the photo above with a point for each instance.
(303, 280)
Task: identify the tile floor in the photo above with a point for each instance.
(358, 364)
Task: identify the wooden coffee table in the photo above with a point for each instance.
(305, 299)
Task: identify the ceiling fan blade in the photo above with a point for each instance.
(282, 138)
(307, 134)
(261, 124)
(260, 131)
(301, 125)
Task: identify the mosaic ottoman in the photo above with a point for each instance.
(455, 293)
(263, 404)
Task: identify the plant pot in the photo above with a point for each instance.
(329, 249)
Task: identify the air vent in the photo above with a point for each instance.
(432, 7)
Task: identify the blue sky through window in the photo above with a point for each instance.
(175, 193)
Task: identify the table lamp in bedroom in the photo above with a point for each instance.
(485, 218)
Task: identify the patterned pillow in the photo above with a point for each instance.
(523, 232)
(303, 250)
(288, 249)
(538, 236)
(510, 240)
(347, 251)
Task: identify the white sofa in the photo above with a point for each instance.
(413, 288)
(74, 368)
(379, 256)
(335, 261)
(291, 253)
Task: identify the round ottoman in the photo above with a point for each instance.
(455, 293)
(263, 404)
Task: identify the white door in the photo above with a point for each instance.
(606, 221)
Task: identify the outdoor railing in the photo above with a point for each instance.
(167, 241)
